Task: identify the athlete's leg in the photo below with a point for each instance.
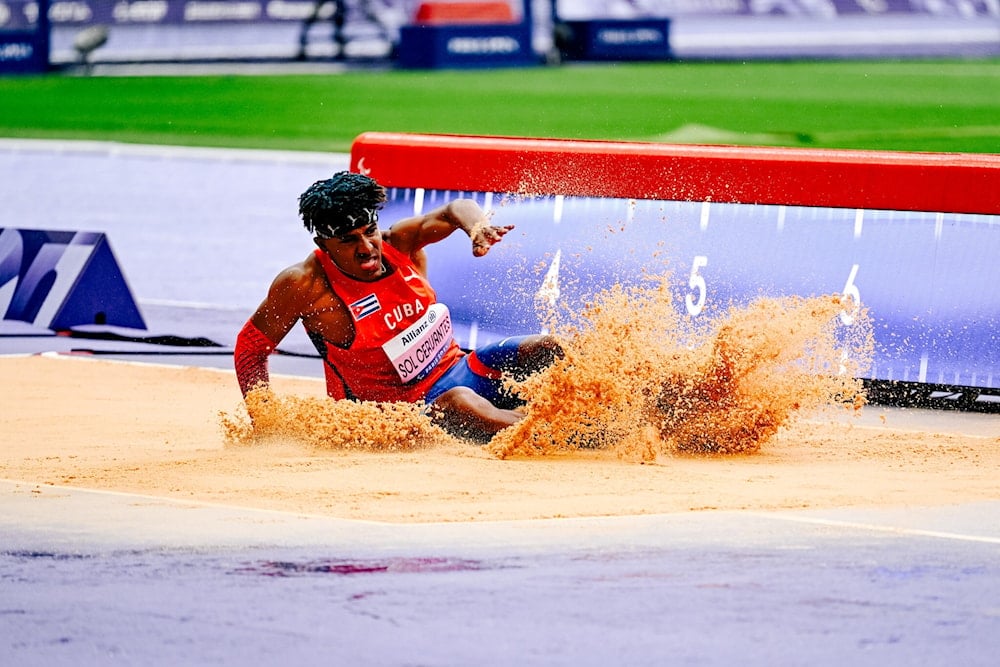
(516, 356)
(464, 413)
(536, 352)
(519, 355)
(684, 396)
(472, 401)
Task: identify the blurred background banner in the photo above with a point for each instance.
(21, 13)
(546, 31)
(624, 9)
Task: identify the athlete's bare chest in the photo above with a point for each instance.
(326, 314)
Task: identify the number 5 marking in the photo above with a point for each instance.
(696, 282)
(851, 290)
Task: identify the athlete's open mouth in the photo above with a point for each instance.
(370, 265)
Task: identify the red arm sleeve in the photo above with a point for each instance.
(250, 357)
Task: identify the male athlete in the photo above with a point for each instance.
(364, 299)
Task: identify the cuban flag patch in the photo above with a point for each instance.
(364, 307)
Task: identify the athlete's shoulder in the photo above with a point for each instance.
(298, 277)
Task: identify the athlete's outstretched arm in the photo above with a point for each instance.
(268, 326)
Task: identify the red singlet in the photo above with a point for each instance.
(403, 340)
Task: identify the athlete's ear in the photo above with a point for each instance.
(319, 242)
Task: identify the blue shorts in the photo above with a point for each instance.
(496, 358)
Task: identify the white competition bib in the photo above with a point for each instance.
(417, 350)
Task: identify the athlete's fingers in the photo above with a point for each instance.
(502, 231)
(486, 236)
(493, 234)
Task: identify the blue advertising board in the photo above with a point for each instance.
(608, 39)
(465, 46)
(24, 37)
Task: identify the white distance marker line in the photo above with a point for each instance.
(898, 530)
(418, 201)
(548, 293)
(473, 335)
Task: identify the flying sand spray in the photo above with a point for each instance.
(638, 378)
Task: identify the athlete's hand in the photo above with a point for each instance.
(485, 236)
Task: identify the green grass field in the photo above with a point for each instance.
(946, 106)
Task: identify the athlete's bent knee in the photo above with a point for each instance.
(466, 414)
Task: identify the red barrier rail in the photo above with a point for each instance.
(938, 182)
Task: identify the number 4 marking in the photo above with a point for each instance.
(696, 282)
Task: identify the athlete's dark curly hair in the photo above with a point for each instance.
(343, 202)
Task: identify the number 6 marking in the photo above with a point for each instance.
(851, 290)
(696, 282)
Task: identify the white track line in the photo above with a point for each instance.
(871, 527)
(181, 502)
(87, 358)
(184, 502)
(115, 148)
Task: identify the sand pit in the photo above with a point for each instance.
(155, 430)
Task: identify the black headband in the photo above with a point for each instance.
(367, 217)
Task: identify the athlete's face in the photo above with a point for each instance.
(358, 253)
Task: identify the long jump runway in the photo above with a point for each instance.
(100, 577)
